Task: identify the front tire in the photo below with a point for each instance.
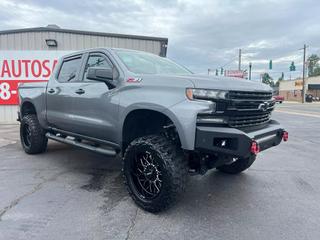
(238, 166)
(32, 135)
(155, 172)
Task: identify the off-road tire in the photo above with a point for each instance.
(174, 171)
(238, 166)
(37, 142)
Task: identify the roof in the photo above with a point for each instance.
(99, 49)
(102, 34)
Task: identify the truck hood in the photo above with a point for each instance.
(227, 83)
(206, 82)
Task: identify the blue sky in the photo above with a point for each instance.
(202, 34)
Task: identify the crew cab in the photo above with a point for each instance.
(162, 120)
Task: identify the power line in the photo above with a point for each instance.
(222, 66)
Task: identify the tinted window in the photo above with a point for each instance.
(69, 70)
(97, 61)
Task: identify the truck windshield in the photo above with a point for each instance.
(147, 63)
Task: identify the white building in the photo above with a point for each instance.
(30, 55)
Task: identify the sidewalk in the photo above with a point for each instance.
(294, 102)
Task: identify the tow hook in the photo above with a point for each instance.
(285, 136)
(255, 148)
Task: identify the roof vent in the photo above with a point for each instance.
(54, 26)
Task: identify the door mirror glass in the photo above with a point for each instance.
(100, 74)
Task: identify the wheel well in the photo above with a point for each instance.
(27, 108)
(140, 123)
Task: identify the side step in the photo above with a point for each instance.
(109, 152)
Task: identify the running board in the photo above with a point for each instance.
(109, 152)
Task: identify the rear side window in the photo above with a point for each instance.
(69, 70)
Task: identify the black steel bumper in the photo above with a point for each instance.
(235, 142)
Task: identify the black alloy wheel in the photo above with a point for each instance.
(32, 135)
(26, 135)
(146, 174)
(155, 172)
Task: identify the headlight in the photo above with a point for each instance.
(205, 94)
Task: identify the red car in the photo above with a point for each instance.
(278, 98)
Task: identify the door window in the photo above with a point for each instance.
(96, 60)
(69, 70)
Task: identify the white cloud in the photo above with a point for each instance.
(202, 34)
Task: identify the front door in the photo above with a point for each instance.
(95, 111)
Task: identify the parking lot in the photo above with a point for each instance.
(69, 193)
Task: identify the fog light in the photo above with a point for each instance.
(255, 149)
(285, 136)
(210, 119)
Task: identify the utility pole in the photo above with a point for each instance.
(250, 66)
(303, 74)
(239, 68)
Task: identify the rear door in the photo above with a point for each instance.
(61, 92)
(96, 110)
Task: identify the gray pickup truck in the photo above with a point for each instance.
(162, 120)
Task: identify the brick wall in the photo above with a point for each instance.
(294, 95)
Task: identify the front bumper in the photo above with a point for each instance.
(236, 142)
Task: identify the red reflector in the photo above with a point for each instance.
(285, 136)
(255, 149)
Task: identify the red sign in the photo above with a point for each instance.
(236, 73)
(9, 91)
(24, 66)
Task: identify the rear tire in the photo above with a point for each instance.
(32, 135)
(155, 172)
(237, 166)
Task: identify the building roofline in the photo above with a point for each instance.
(102, 34)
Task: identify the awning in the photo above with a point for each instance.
(313, 86)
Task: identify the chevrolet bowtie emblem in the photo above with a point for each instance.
(263, 106)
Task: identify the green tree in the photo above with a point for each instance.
(313, 65)
(267, 79)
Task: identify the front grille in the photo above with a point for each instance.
(249, 105)
(248, 120)
(247, 109)
(240, 109)
(242, 95)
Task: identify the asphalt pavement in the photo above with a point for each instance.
(69, 193)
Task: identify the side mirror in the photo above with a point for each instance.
(101, 74)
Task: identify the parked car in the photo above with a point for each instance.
(278, 98)
(160, 118)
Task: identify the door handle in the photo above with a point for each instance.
(51, 90)
(80, 91)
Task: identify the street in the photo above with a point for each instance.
(69, 193)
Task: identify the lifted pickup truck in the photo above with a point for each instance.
(164, 121)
